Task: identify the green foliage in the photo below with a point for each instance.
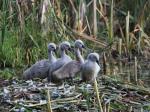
(118, 106)
(147, 108)
(7, 73)
(24, 39)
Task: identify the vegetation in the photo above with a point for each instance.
(25, 30)
(118, 29)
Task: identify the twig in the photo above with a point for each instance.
(44, 103)
(72, 101)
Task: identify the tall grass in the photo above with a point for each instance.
(24, 37)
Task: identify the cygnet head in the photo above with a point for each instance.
(79, 44)
(94, 57)
(65, 45)
(51, 47)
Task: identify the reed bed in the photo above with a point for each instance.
(27, 26)
(115, 29)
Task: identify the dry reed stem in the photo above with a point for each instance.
(72, 4)
(99, 42)
(120, 46)
(120, 52)
(135, 69)
(108, 107)
(127, 32)
(94, 19)
(131, 109)
(88, 25)
(111, 22)
(97, 94)
(105, 107)
(49, 101)
(63, 100)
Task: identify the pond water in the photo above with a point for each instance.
(126, 72)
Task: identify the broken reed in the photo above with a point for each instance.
(120, 51)
(94, 18)
(135, 69)
(111, 22)
(49, 101)
(97, 95)
(127, 33)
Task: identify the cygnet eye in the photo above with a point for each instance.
(67, 46)
(52, 47)
(97, 61)
(83, 46)
(80, 44)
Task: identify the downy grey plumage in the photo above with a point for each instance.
(90, 68)
(72, 68)
(64, 46)
(40, 69)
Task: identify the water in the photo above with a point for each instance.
(125, 71)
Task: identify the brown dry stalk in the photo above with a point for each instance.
(94, 19)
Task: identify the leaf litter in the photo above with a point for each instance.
(24, 96)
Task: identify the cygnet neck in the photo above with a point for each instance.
(63, 53)
(51, 57)
(79, 56)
